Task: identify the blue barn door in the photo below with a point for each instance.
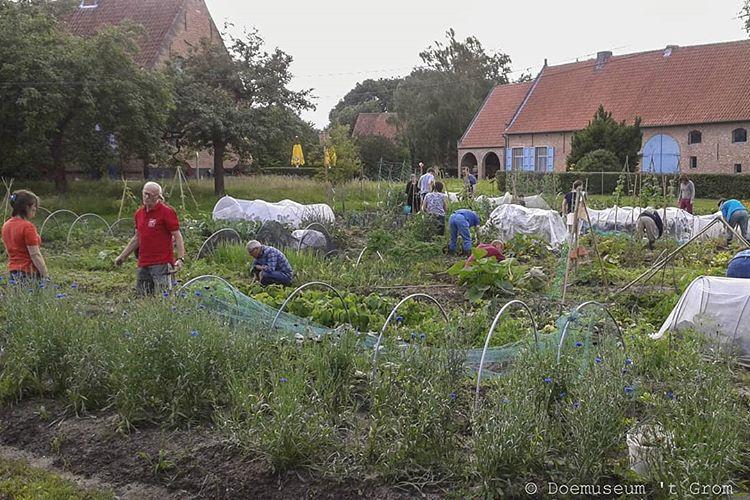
(661, 155)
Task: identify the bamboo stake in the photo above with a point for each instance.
(573, 247)
(596, 248)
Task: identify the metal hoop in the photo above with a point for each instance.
(325, 234)
(115, 223)
(492, 330)
(212, 277)
(42, 208)
(356, 264)
(227, 229)
(70, 231)
(576, 310)
(41, 229)
(302, 287)
(390, 316)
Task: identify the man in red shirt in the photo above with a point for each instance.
(156, 228)
(494, 249)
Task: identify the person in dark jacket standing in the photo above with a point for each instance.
(413, 198)
(650, 225)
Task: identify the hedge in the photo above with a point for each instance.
(706, 185)
(299, 171)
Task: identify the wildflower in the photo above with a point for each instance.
(413, 336)
(576, 404)
(174, 308)
(128, 335)
(165, 293)
(12, 281)
(625, 370)
(42, 284)
(74, 285)
(206, 287)
(562, 394)
(1, 279)
(422, 336)
(670, 395)
(597, 359)
(399, 319)
(183, 295)
(579, 344)
(628, 361)
(283, 380)
(629, 390)
(198, 293)
(453, 396)
(194, 333)
(505, 400)
(547, 380)
(60, 296)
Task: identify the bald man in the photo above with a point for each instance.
(157, 231)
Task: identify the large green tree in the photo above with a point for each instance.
(369, 96)
(62, 97)
(745, 15)
(437, 101)
(229, 100)
(605, 133)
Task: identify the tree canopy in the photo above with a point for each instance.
(437, 101)
(68, 99)
(231, 99)
(604, 133)
(369, 96)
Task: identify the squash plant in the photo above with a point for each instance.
(486, 274)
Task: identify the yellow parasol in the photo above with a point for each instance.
(298, 158)
(329, 157)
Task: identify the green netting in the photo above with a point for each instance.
(226, 301)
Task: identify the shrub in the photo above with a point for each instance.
(599, 160)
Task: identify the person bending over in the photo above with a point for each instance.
(461, 223)
(494, 249)
(735, 213)
(650, 225)
(270, 265)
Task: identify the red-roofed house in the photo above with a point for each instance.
(694, 104)
(382, 124)
(170, 28)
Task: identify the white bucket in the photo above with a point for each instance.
(645, 448)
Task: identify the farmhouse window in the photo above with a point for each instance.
(540, 159)
(694, 137)
(517, 158)
(739, 135)
(738, 168)
(693, 162)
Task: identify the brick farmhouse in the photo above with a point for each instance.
(377, 124)
(694, 105)
(170, 29)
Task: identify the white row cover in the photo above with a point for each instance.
(717, 307)
(285, 211)
(310, 238)
(535, 201)
(509, 220)
(679, 223)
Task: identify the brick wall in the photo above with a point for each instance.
(192, 24)
(558, 140)
(481, 155)
(715, 154)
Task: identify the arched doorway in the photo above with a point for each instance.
(491, 165)
(661, 155)
(469, 161)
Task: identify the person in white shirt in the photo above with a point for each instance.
(436, 204)
(426, 182)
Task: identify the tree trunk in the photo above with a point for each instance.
(58, 165)
(219, 148)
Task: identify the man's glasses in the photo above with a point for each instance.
(150, 195)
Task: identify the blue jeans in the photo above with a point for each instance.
(275, 278)
(739, 267)
(738, 220)
(459, 225)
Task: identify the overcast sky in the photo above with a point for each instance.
(337, 43)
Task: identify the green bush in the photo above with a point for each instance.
(599, 160)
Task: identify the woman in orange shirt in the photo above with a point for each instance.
(21, 239)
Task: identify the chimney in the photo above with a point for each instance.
(601, 58)
(669, 50)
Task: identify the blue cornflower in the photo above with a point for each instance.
(198, 293)
(399, 319)
(579, 344)
(453, 396)
(2, 278)
(597, 359)
(42, 284)
(12, 281)
(283, 380)
(165, 293)
(576, 404)
(670, 395)
(628, 361)
(60, 296)
(562, 394)
(74, 285)
(174, 308)
(422, 336)
(629, 390)
(413, 336)
(194, 333)
(547, 380)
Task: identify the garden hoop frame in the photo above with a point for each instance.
(302, 287)
(495, 321)
(318, 224)
(359, 258)
(205, 277)
(61, 211)
(224, 229)
(70, 231)
(118, 221)
(390, 317)
(570, 319)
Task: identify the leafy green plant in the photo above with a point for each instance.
(487, 275)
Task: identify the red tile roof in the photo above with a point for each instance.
(383, 124)
(687, 85)
(156, 17)
(487, 127)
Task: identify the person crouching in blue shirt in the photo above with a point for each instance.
(270, 264)
(739, 266)
(460, 223)
(735, 213)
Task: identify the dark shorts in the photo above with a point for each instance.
(152, 279)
